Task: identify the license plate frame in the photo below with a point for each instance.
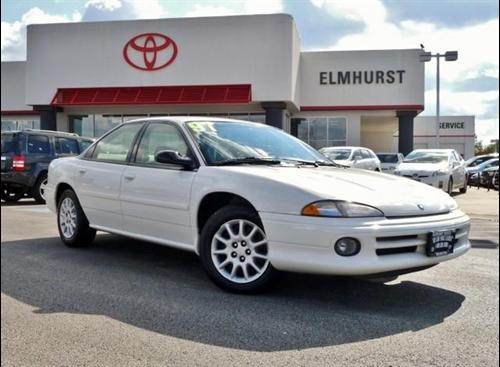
(441, 243)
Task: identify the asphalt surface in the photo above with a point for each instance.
(123, 302)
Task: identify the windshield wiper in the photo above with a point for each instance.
(316, 163)
(248, 160)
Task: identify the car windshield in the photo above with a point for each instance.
(476, 161)
(338, 154)
(388, 158)
(226, 141)
(426, 157)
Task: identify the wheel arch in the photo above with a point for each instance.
(61, 187)
(214, 201)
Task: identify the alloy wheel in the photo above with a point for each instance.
(239, 251)
(67, 218)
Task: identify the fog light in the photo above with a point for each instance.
(347, 246)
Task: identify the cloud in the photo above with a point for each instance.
(464, 13)
(468, 85)
(103, 10)
(236, 8)
(14, 33)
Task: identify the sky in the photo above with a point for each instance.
(469, 86)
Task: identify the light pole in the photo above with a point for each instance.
(448, 56)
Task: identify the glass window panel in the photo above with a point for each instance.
(104, 123)
(66, 146)
(318, 129)
(82, 125)
(159, 137)
(337, 128)
(303, 130)
(261, 118)
(8, 125)
(318, 144)
(116, 146)
(38, 144)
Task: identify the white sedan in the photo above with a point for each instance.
(355, 157)
(441, 168)
(250, 199)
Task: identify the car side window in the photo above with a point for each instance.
(116, 146)
(357, 155)
(66, 146)
(366, 154)
(160, 136)
(38, 144)
(84, 144)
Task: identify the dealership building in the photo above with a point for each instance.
(88, 77)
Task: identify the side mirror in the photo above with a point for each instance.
(173, 157)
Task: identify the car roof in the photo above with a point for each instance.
(435, 150)
(183, 119)
(47, 132)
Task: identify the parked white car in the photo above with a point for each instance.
(355, 157)
(390, 161)
(441, 168)
(250, 199)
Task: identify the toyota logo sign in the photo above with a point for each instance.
(150, 51)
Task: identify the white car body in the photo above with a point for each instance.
(438, 175)
(162, 206)
(359, 157)
(390, 167)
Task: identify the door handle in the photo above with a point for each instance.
(82, 171)
(129, 177)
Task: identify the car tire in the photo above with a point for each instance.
(10, 196)
(463, 190)
(72, 223)
(449, 189)
(234, 251)
(37, 191)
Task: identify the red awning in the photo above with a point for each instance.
(231, 93)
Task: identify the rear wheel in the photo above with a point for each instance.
(10, 196)
(72, 223)
(38, 190)
(234, 250)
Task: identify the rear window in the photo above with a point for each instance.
(66, 146)
(38, 144)
(8, 143)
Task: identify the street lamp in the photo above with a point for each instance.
(426, 57)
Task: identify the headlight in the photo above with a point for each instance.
(340, 209)
(441, 172)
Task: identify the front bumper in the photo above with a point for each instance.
(439, 182)
(306, 244)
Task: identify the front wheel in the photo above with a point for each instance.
(234, 250)
(450, 186)
(463, 190)
(72, 223)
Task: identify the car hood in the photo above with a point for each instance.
(395, 196)
(344, 162)
(425, 167)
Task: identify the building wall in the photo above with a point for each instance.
(254, 50)
(13, 87)
(401, 79)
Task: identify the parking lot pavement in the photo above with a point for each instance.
(123, 302)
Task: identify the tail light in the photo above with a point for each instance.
(18, 163)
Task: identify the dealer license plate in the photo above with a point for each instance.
(440, 243)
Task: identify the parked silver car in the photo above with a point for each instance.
(355, 157)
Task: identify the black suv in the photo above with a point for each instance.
(26, 155)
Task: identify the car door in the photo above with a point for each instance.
(155, 197)
(357, 159)
(458, 169)
(98, 176)
(367, 162)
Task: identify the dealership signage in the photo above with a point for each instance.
(361, 77)
(150, 51)
(452, 125)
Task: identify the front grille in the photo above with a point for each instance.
(396, 250)
(397, 238)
